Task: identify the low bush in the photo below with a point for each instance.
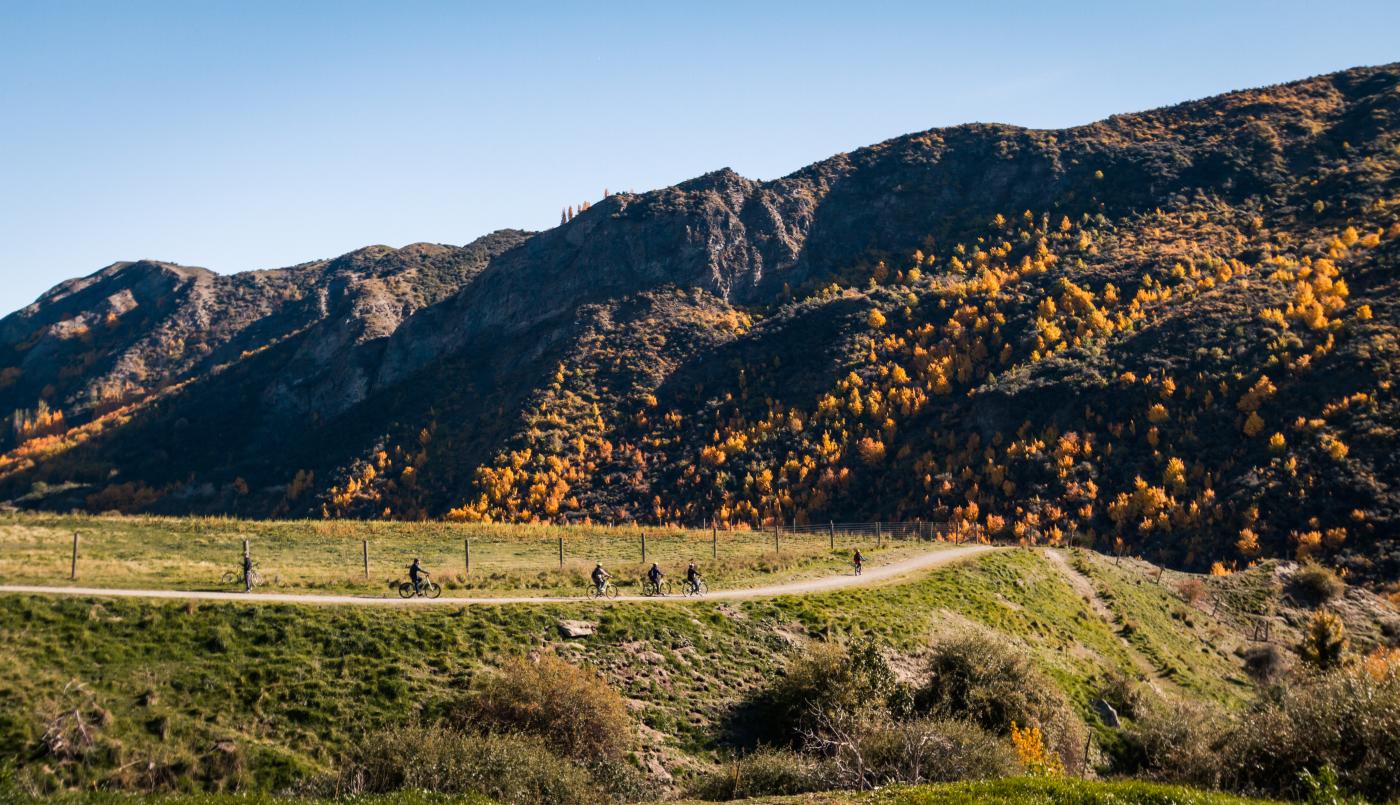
(763, 773)
(1123, 692)
(1317, 584)
(572, 709)
(1175, 741)
(1347, 720)
(828, 681)
(1191, 590)
(914, 751)
(1345, 723)
(983, 679)
(508, 768)
(1265, 663)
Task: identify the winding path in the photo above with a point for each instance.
(871, 575)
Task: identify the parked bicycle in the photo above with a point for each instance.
(426, 589)
(235, 577)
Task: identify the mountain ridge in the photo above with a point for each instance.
(647, 359)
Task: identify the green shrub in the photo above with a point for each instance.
(1317, 584)
(828, 681)
(1324, 645)
(1346, 720)
(1175, 741)
(509, 768)
(918, 750)
(1265, 663)
(1123, 692)
(572, 709)
(984, 679)
(765, 772)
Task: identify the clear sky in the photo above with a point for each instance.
(240, 135)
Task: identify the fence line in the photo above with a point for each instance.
(155, 553)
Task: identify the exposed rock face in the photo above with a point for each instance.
(688, 353)
(134, 328)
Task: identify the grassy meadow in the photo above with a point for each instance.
(292, 687)
(329, 556)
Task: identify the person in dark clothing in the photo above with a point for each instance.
(415, 575)
(858, 561)
(654, 578)
(692, 577)
(247, 572)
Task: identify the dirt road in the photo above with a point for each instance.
(871, 575)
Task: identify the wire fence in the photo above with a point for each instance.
(170, 552)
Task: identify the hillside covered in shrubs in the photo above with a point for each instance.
(1172, 333)
(1018, 675)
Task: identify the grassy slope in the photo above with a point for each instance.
(1185, 644)
(292, 686)
(1017, 791)
(326, 556)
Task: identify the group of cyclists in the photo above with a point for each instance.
(653, 579)
(600, 577)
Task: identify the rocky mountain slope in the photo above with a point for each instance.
(1173, 331)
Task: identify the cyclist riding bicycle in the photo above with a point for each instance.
(654, 577)
(692, 577)
(415, 572)
(858, 561)
(600, 577)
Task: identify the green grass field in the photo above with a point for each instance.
(1015, 791)
(161, 683)
(328, 556)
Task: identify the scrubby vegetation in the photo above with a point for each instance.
(1341, 724)
(570, 708)
(992, 669)
(502, 767)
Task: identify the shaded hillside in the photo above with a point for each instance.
(1175, 330)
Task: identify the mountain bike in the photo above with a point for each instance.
(698, 588)
(662, 588)
(234, 577)
(426, 589)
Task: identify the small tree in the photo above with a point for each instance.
(1325, 641)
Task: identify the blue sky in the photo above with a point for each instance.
(242, 135)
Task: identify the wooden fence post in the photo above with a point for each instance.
(561, 553)
(365, 546)
(714, 539)
(644, 547)
(73, 570)
(877, 533)
(467, 554)
(831, 532)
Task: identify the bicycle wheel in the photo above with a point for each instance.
(255, 579)
(610, 591)
(666, 588)
(406, 590)
(647, 589)
(432, 589)
(699, 588)
(231, 578)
